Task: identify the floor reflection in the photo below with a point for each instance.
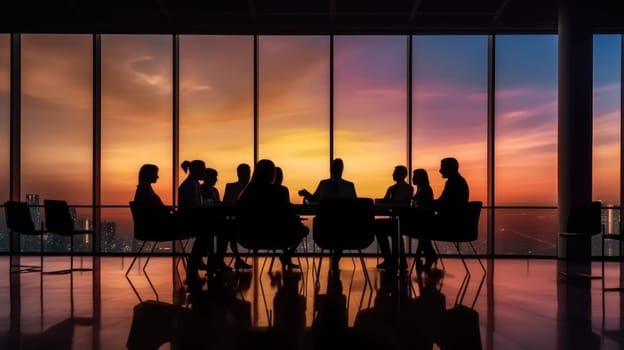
(523, 304)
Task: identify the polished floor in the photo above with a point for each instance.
(521, 304)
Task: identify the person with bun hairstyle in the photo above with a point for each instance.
(192, 209)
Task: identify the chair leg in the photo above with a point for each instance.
(464, 285)
(145, 272)
(482, 278)
(130, 268)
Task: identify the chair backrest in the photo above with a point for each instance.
(462, 228)
(58, 218)
(344, 223)
(263, 227)
(155, 224)
(585, 218)
(18, 217)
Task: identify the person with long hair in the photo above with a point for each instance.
(262, 201)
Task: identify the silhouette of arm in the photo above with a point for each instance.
(311, 197)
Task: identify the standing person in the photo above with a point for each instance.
(401, 193)
(211, 196)
(279, 178)
(262, 200)
(191, 205)
(233, 189)
(334, 187)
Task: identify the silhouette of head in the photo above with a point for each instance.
(195, 169)
(279, 176)
(148, 173)
(420, 177)
(210, 176)
(449, 167)
(337, 166)
(264, 172)
(243, 171)
(400, 173)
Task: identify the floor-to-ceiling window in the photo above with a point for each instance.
(449, 110)
(136, 125)
(56, 127)
(370, 84)
(370, 109)
(293, 109)
(216, 103)
(607, 63)
(525, 171)
(5, 148)
(293, 126)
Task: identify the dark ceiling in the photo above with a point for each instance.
(297, 16)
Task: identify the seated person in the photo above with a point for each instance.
(233, 189)
(192, 209)
(399, 192)
(444, 210)
(334, 187)
(165, 218)
(210, 195)
(262, 203)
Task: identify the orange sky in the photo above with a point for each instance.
(216, 110)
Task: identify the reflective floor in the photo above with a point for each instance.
(520, 305)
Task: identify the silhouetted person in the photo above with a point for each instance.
(145, 195)
(165, 216)
(210, 196)
(401, 193)
(233, 189)
(423, 201)
(262, 199)
(334, 187)
(192, 208)
(448, 206)
(279, 178)
(455, 194)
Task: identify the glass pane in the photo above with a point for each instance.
(606, 135)
(370, 94)
(56, 124)
(5, 76)
(56, 117)
(606, 126)
(526, 231)
(136, 117)
(450, 110)
(525, 142)
(216, 103)
(294, 108)
(526, 120)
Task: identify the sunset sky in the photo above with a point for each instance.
(370, 109)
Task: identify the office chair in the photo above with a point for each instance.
(156, 226)
(464, 228)
(59, 220)
(19, 220)
(344, 224)
(584, 221)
